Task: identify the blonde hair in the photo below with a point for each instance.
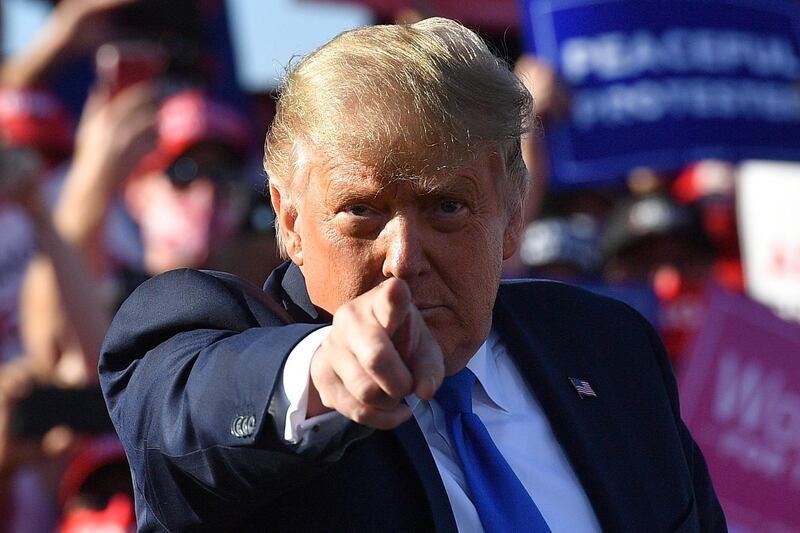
(410, 100)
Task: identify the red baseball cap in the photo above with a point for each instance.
(95, 453)
(37, 119)
(191, 117)
(704, 179)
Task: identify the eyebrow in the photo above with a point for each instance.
(446, 184)
(344, 186)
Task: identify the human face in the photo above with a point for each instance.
(184, 212)
(445, 235)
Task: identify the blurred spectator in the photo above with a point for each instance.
(178, 166)
(647, 232)
(95, 491)
(187, 195)
(74, 28)
(562, 248)
(651, 239)
(552, 102)
(708, 187)
(178, 169)
(37, 119)
(34, 126)
(112, 137)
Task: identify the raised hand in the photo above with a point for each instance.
(113, 136)
(552, 96)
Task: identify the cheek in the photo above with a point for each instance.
(337, 268)
(484, 260)
(477, 255)
(470, 267)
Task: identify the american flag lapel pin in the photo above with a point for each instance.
(583, 388)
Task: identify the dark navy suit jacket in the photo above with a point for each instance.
(191, 361)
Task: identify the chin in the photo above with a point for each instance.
(456, 349)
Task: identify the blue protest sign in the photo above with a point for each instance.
(665, 82)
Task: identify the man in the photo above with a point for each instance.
(396, 176)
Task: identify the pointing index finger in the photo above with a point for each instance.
(390, 304)
(426, 361)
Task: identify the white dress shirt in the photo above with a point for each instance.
(506, 406)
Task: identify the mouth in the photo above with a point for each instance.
(427, 309)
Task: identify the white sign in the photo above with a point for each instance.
(769, 226)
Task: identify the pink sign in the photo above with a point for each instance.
(740, 396)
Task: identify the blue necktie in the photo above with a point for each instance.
(502, 502)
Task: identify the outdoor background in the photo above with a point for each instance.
(664, 165)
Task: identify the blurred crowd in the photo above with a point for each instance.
(160, 171)
(154, 173)
(656, 241)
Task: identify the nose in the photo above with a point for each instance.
(405, 255)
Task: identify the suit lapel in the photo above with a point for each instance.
(588, 432)
(415, 446)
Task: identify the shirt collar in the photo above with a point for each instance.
(484, 365)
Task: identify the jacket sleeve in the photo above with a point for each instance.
(707, 514)
(188, 369)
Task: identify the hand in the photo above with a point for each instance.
(17, 380)
(551, 95)
(74, 28)
(379, 350)
(115, 133)
(82, 23)
(113, 137)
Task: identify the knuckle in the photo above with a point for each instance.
(367, 391)
(378, 360)
(327, 346)
(344, 316)
(360, 414)
(320, 369)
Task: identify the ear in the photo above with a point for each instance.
(512, 233)
(288, 225)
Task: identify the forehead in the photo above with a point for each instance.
(343, 176)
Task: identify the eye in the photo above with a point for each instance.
(358, 210)
(359, 220)
(451, 207)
